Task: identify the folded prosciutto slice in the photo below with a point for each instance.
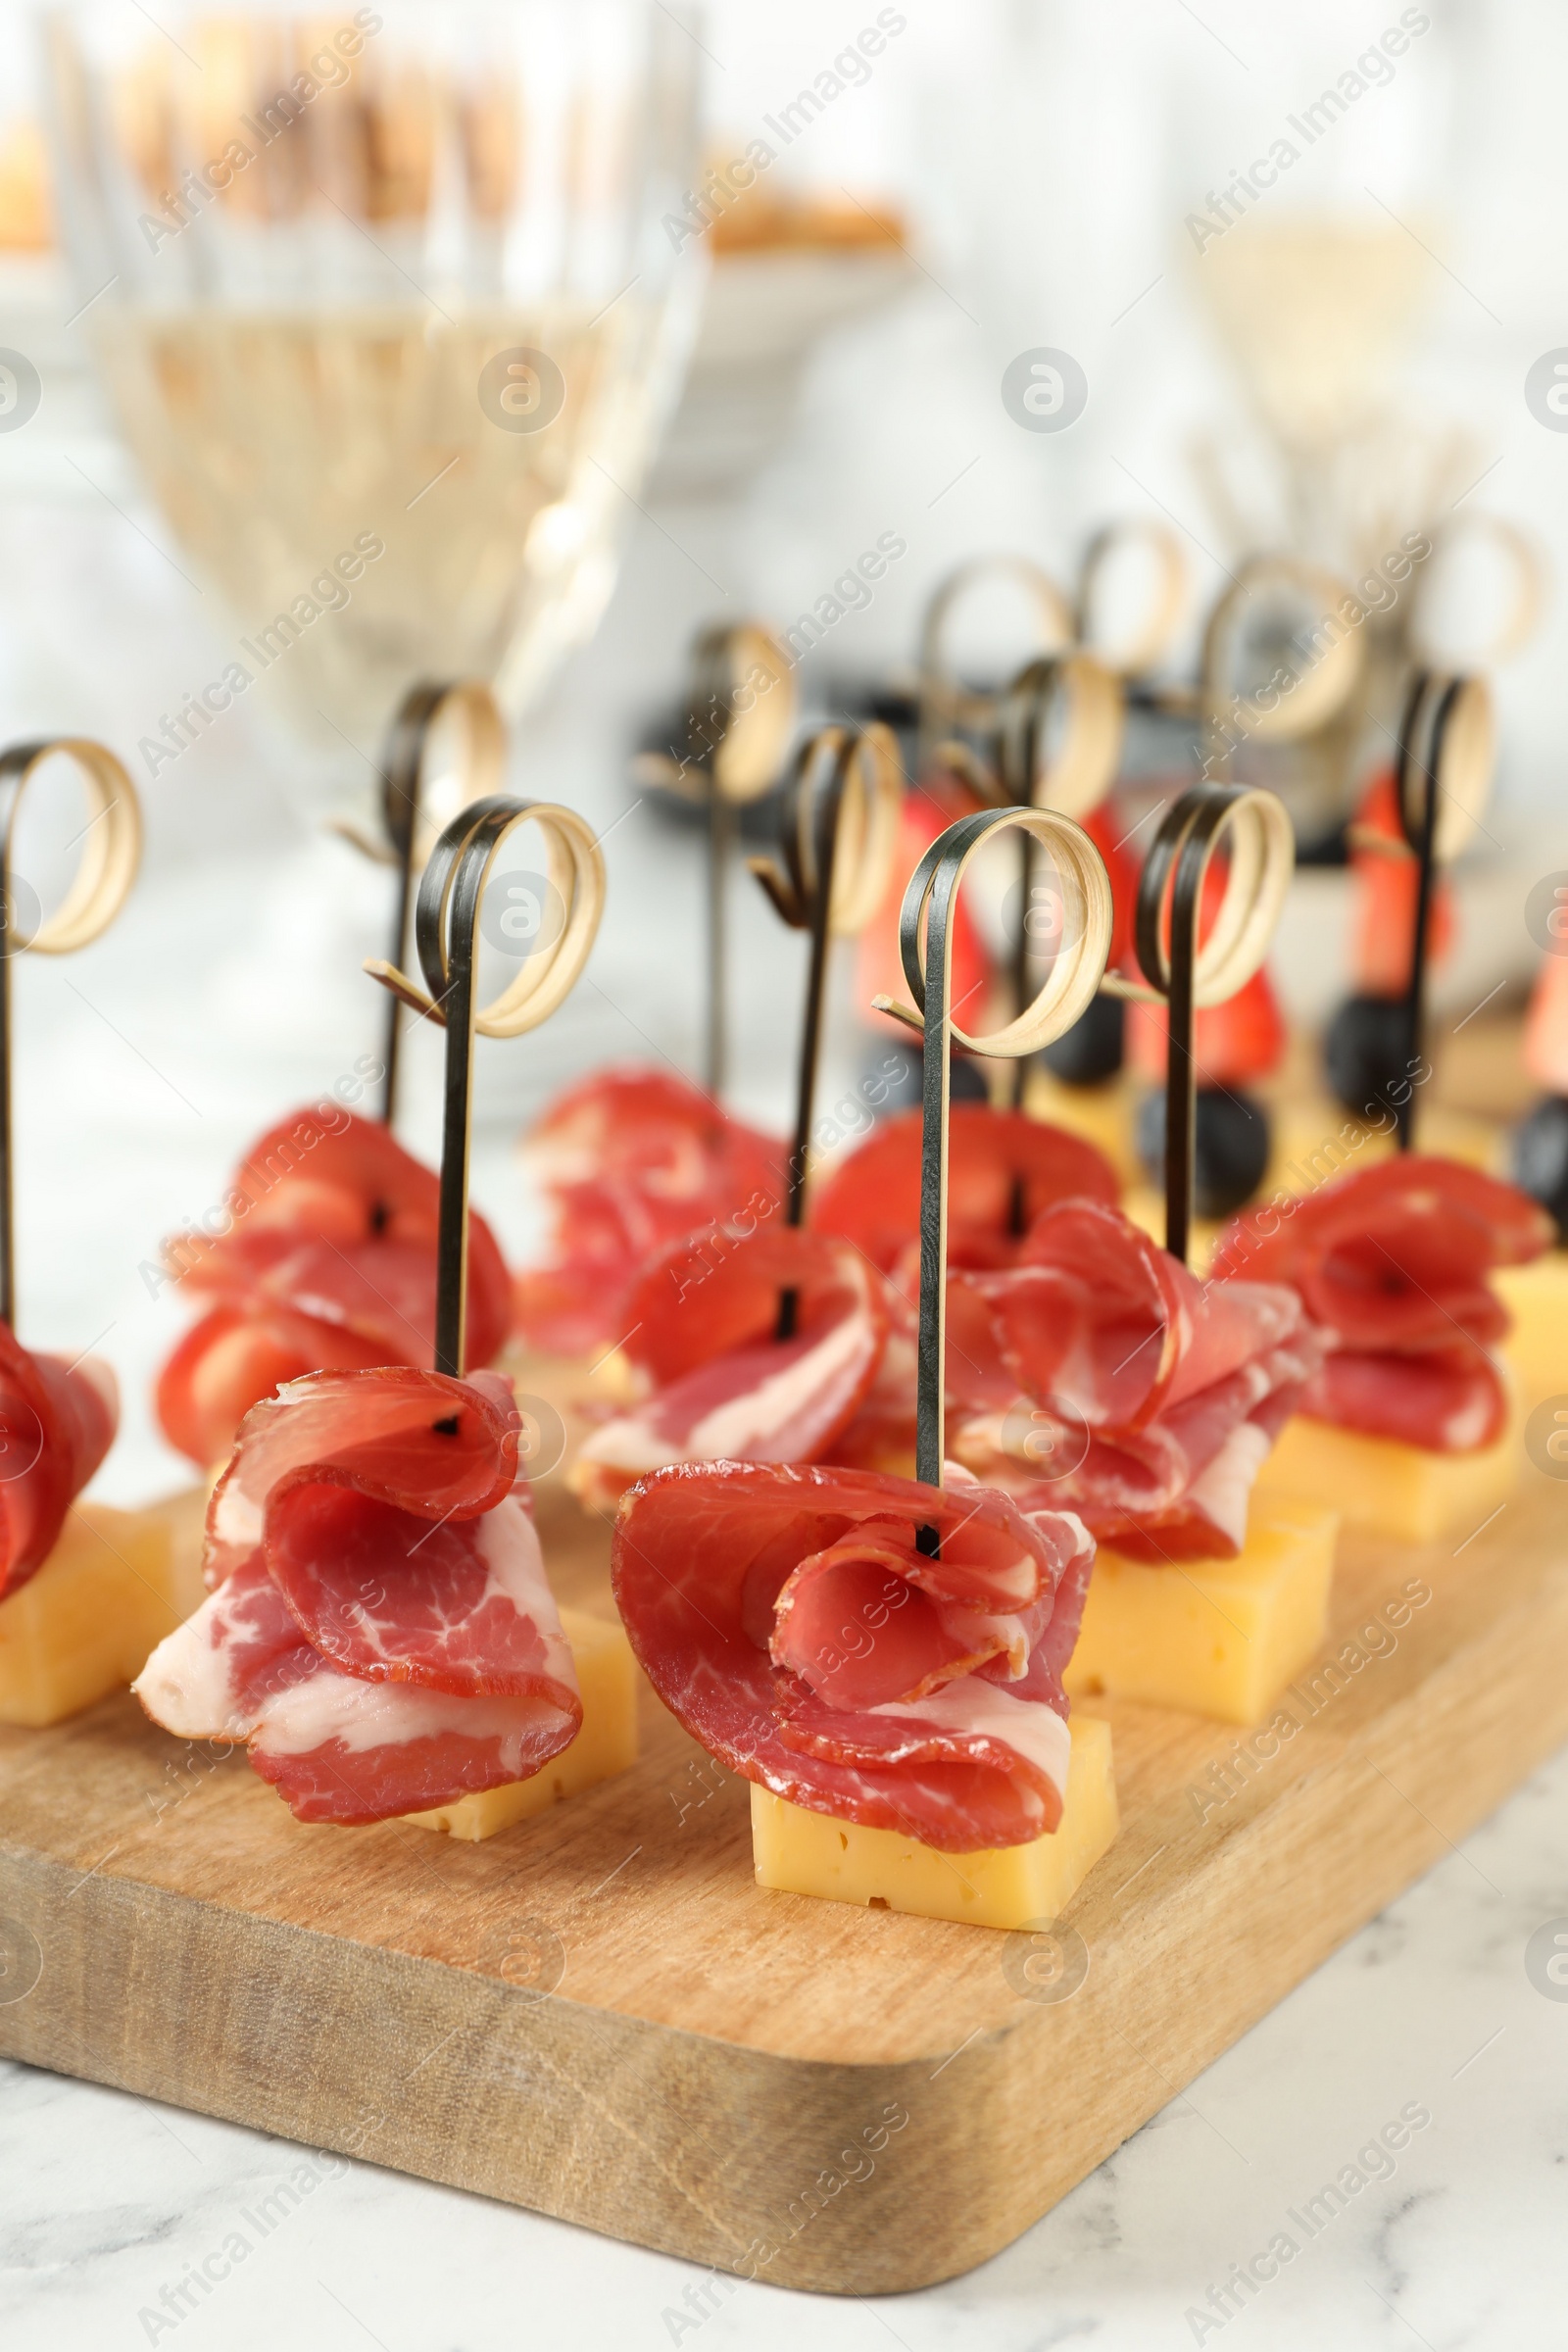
(382, 1634)
(631, 1161)
(1099, 1376)
(328, 1264)
(1003, 1170)
(720, 1383)
(57, 1422)
(786, 1616)
(1394, 1263)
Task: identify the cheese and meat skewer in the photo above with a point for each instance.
(84, 1592)
(1407, 1424)
(1096, 1374)
(882, 1656)
(381, 1634)
(326, 1261)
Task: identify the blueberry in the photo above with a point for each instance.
(1365, 1051)
(1541, 1158)
(1092, 1048)
(1231, 1147)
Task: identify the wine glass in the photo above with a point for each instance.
(389, 315)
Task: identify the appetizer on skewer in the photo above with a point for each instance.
(1096, 1371)
(85, 1591)
(381, 1634)
(327, 1264)
(882, 1656)
(1408, 1421)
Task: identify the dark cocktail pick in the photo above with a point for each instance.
(739, 716)
(838, 834)
(446, 747)
(111, 853)
(447, 927)
(1184, 975)
(1442, 775)
(925, 940)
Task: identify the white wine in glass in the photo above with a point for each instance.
(388, 315)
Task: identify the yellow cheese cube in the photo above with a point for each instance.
(1537, 1348)
(607, 1744)
(1387, 1489)
(1218, 1638)
(114, 1585)
(803, 1852)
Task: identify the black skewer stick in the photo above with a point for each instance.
(1420, 760)
(726, 663)
(108, 868)
(401, 769)
(402, 816)
(446, 926)
(1178, 861)
(802, 891)
(928, 905)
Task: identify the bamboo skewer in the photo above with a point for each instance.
(1442, 775)
(446, 935)
(407, 775)
(740, 714)
(925, 939)
(1187, 975)
(111, 855)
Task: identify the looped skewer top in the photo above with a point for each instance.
(1317, 691)
(413, 765)
(839, 833)
(1152, 640)
(446, 932)
(111, 853)
(1188, 976)
(1442, 775)
(925, 942)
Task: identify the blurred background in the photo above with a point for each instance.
(1294, 325)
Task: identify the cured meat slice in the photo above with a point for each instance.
(328, 1264)
(722, 1385)
(1450, 1402)
(441, 1449)
(213, 1677)
(631, 1161)
(1395, 1261)
(1003, 1170)
(233, 1358)
(460, 1605)
(1395, 1256)
(787, 1617)
(382, 1634)
(56, 1423)
(1150, 1399)
(355, 1753)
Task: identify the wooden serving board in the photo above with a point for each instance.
(600, 2015)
